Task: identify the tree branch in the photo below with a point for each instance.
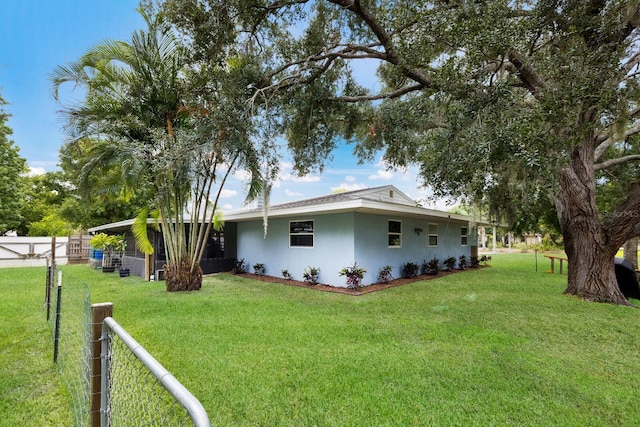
(624, 222)
(616, 161)
(389, 95)
(528, 75)
(609, 141)
(628, 66)
(356, 7)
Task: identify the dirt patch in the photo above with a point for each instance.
(347, 291)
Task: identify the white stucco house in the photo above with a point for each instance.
(373, 227)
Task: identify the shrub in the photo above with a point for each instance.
(462, 262)
(385, 274)
(239, 267)
(354, 275)
(286, 274)
(431, 267)
(410, 270)
(450, 263)
(259, 269)
(484, 259)
(311, 276)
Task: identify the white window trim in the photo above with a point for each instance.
(429, 235)
(312, 234)
(389, 233)
(465, 235)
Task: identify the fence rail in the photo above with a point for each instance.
(130, 372)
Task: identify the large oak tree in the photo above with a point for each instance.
(506, 102)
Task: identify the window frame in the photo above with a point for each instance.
(464, 237)
(312, 233)
(394, 233)
(430, 234)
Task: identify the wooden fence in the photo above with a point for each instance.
(33, 251)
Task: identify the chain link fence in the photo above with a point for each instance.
(132, 387)
(136, 386)
(71, 331)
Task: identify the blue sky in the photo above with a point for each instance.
(38, 35)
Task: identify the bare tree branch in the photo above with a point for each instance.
(388, 95)
(416, 74)
(628, 66)
(616, 161)
(609, 141)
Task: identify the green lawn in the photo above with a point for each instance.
(497, 346)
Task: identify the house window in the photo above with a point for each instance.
(395, 234)
(433, 234)
(464, 236)
(301, 234)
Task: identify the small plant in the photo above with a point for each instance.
(354, 275)
(258, 269)
(450, 263)
(431, 267)
(239, 267)
(311, 276)
(286, 274)
(110, 245)
(484, 259)
(463, 263)
(410, 270)
(385, 274)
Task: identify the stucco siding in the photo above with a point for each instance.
(345, 238)
(333, 246)
(372, 251)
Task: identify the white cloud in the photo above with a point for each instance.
(292, 193)
(225, 194)
(227, 206)
(295, 178)
(382, 174)
(241, 174)
(306, 178)
(349, 187)
(350, 178)
(33, 171)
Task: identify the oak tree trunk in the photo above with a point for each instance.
(590, 244)
(631, 251)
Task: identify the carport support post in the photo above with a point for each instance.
(494, 238)
(98, 313)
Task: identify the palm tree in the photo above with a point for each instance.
(140, 98)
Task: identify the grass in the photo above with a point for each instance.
(31, 393)
(497, 346)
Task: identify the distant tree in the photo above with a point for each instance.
(12, 169)
(168, 128)
(98, 197)
(50, 225)
(42, 195)
(512, 104)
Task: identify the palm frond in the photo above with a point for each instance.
(139, 230)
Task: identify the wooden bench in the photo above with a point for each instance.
(553, 261)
